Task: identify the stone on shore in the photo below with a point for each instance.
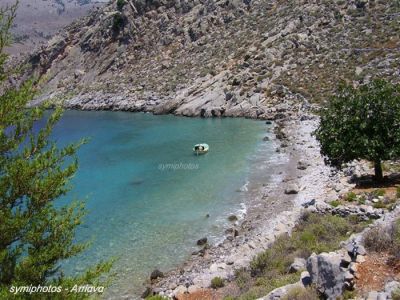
(156, 274)
(202, 241)
(292, 189)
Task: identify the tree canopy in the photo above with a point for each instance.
(362, 123)
(35, 234)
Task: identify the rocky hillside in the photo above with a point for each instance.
(38, 20)
(254, 58)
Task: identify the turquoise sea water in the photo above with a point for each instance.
(147, 195)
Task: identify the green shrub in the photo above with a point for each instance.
(361, 200)
(377, 239)
(396, 294)
(314, 233)
(301, 293)
(217, 282)
(379, 204)
(120, 4)
(118, 22)
(347, 295)
(379, 193)
(350, 197)
(335, 203)
(381, 239)
(243, 278)
(398, 192)
(157, 297)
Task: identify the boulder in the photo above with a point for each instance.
(156, 274)
(202, 241)
(301, 165)
(392, 286)
(305, 278)
(292, 189)
(326, 274)
(299, 264)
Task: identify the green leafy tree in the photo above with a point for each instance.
(35, 235)
(362, 123)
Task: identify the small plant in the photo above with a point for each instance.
(396, 294)
(347, 295)
(379, 193)
(243, 278)
(350, 197)
(398, 192)
(335, 203)
(301, 293)
(118, 22)
(120, 4)
(381, 239)
(156, 297)
(361, 200)
(217, 282)
(379, 204)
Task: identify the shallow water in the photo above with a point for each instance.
(148, 195)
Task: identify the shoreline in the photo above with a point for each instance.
(274, 210)
(302, 177)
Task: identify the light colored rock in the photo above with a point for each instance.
(298, 264)
(292, 189)
(326, 274)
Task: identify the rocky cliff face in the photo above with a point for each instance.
(39, 20)
(254, 58)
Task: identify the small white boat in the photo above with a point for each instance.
(200, 149)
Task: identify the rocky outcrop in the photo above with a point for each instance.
(327, 274)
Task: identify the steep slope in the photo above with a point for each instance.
(39, 20)
(207, 57)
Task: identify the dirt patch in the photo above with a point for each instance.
(374, 272)
(201, 294)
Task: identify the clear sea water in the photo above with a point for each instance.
(147, 195)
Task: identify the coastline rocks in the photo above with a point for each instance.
(292, 189)
(156, 274)
(202, 241)
(147, 292)
(301, 165)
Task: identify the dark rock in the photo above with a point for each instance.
(147, 292)
(202, 241)
(302, 165)
(156, 274)
(232, 218)
(291, 190)
(265, 139)
(309, 203)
